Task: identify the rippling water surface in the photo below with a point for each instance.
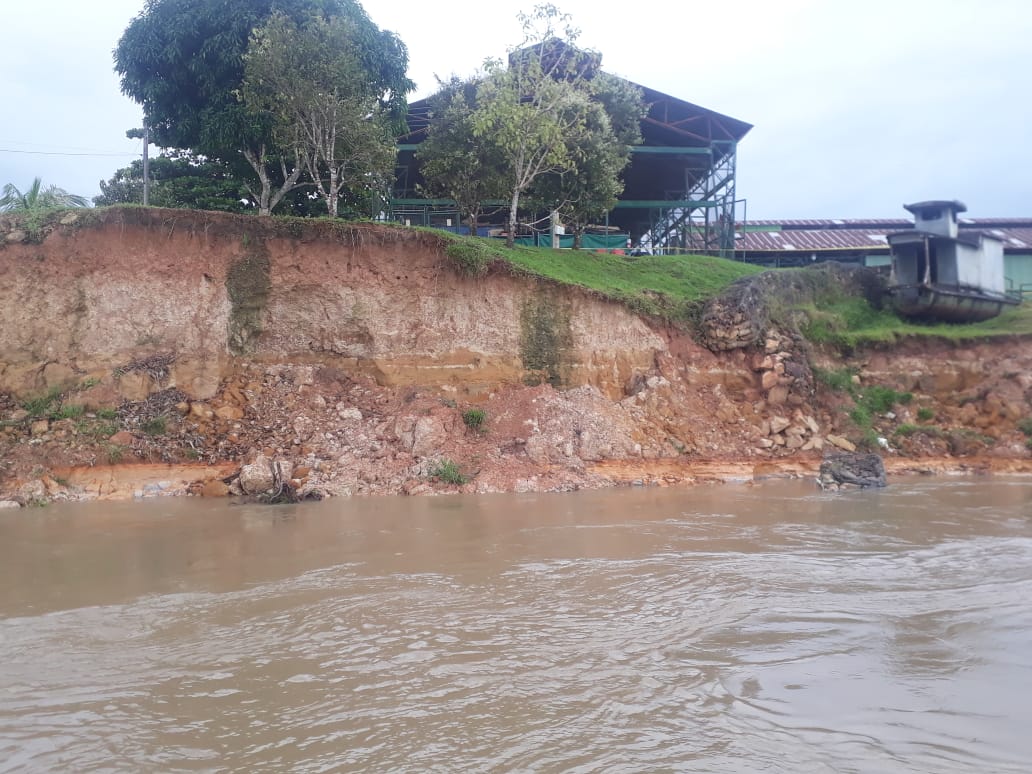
(724, 629)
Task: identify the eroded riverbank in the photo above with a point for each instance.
(158, 352)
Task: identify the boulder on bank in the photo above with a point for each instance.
(846, 470)
(257, 477)
(275, 481)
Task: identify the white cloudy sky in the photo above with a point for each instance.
(857, 106)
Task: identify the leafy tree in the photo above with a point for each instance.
(36, 197)
(624, 104)
(590, 187)
(124, 187)
(599, 151)
(183, 61)
(530, 110)
(180, 180)
(326, 108)
(455, 164)
(305, 202)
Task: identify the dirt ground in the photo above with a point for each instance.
(339, 435)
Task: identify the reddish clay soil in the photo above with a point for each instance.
(179, 347)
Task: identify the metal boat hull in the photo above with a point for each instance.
(928, 302)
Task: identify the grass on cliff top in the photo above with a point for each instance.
(664, 286)
(851, 322)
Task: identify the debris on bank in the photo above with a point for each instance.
(844, 470)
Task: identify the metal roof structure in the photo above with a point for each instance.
(760, 239)
(679, 185)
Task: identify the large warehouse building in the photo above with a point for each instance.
(679, 186)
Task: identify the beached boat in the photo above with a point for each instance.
(938, 274)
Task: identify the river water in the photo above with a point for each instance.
(717, 629)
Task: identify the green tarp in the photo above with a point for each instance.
(588, 241)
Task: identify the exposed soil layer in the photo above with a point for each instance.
(148, 352)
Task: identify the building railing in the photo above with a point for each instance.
(1020, 292)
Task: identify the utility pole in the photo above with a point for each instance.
(146, 165)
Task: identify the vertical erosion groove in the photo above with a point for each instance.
(546, 340)
(248, 286)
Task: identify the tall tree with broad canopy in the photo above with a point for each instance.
(183, 61)
(326, 110)
(529, 110)
(178, 180)
(600, 150)
(455, 164)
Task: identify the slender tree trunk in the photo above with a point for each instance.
(331, 197)
(257, 163)
(289, 181)
(266, 199)
(510, 240)
(264, 207)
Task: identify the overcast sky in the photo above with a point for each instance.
(857, 107)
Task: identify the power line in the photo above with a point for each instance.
(64, 153)
(23, 144)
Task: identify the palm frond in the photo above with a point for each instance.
(37, 197)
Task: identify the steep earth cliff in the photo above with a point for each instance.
(147, 351)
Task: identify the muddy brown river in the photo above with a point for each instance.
(766, 628)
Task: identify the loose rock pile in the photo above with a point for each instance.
(784, 370)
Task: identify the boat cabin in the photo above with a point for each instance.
(942, 275)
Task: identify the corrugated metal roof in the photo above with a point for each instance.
(864, 235)
(837, 223)
(809, 240)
